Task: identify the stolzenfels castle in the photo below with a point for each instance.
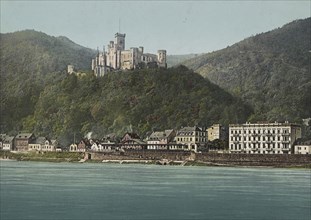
(117, 58)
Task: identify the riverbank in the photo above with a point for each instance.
(180, 158)
(44, 157)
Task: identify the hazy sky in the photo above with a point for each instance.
(180, 27)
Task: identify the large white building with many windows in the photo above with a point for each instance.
(263, 138)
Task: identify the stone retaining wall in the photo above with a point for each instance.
(142, 155)
(255, 159)
(213, 158)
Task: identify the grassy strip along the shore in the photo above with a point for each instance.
(46, 156)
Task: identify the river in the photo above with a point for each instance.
(46, 191)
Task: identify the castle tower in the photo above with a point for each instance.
(119, 41)
(70, 69)
(162, 58)
(99, 65)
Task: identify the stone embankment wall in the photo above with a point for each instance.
(209, 158)
(142, 155)
(255, 159)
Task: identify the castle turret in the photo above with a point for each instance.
(162, 58)
(70, 69)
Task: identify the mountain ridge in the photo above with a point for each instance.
(269, 71)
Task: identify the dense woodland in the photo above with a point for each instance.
(269, 71)
(139, 101)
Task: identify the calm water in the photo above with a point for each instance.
(39, 191)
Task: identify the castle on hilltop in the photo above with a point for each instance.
(117, 58)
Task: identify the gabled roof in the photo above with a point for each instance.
(157, 135)
(132, 135)
(40, 140)
(111, 137)
(189, 130)
(85, 141)
(8, 139)
(303, 142)
(138, 141)
(24, 135)
(168, 132)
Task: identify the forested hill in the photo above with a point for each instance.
(29, 61)
(270, 71)
(174, 60)
(33, 52)
(140, 101)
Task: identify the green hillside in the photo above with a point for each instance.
(34, 52)
(140, 101)
(29, 61)
(38, 96)
(173, 60)
(270, 71)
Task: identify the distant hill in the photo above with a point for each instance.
(34, 52)
(270, 71)
(173, 60)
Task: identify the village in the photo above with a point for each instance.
(248, 138)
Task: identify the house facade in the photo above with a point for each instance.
(73, 147)
(131, 141)
(22, 141)
(159, 139)
(194, 137)
(303, 147)
(41, 144)
(83, 145)
(263, 138)
(6, 142)
(216, 131)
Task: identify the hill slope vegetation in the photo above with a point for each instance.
(140, 101)
(38, 96)
(29, 61)
(270, 71)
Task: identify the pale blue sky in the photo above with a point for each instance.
(180, 27)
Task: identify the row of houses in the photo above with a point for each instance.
(27, 142)
(248, 138)
(187, 138)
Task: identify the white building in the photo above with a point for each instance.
(303, 147)
(73, 148)
(263, 138)
(117, 58)
(191, 136)
(41, 144)
(6, 142)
